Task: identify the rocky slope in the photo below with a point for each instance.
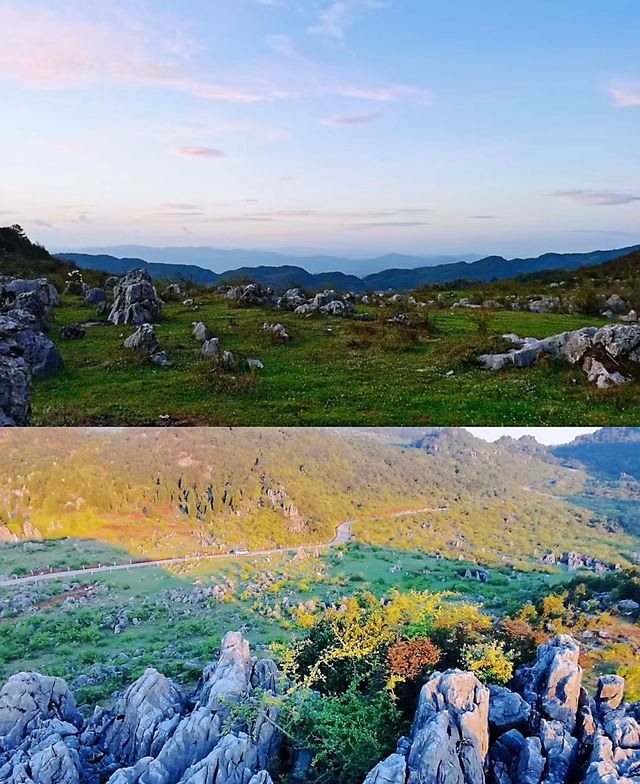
(546, 730)
(154, 734)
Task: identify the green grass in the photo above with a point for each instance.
(180, 638)
(333, 372)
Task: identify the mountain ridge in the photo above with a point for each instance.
(288, 274)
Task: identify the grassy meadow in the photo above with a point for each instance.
(332, 372)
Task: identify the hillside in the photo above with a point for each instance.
(287, 273)
(609, 453)
(20, 257)
(170, 492)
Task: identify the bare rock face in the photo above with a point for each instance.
(153, 735)
(15, 387)
(551, 684)
(450, 734)
(598, 351)
(27, 700)
(135, 300)
(145, 717)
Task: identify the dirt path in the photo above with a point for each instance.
(342, 536)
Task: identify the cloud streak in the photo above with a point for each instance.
(335, 19)
(598, 198)
(625, 94)
(339, 120)
(199, 152)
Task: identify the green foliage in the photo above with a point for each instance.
(350, 732)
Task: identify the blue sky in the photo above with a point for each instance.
(351, 126)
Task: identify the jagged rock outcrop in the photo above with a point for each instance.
(15, 386)
(135, 300)
(547, 731)
(551, 684)
(599, 351)
(21, 329)
(154, 734)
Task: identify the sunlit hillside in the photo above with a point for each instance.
(173, 492)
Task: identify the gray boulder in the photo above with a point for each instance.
(22, 330)
(26, 700)
(450, 734)
(211, 348)
(144, 340)
(15, 387)
(200, 331)
(136, 300)
(392, 770)
(95, 296)
(507, 709)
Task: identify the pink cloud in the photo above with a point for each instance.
(626, 95)
(55, 50)
(382, 94)
(352, 119)
(199, 152)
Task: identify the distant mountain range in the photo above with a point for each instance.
(221, 259)
(394, 278)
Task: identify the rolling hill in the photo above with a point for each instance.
(286, 273)
(161, 492)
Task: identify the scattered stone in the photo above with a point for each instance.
(599, 351)
(228, 360)
(135, 300)
(72, 332)
(95, 296)
(277, 330)
(211, 348)
(200, 331)
(255, 364)
(144, 340)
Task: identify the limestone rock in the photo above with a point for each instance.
(200, 331)
(136, 300)
(551, 684)
(28, 698)
(144, 340)
(211, 348)
(143, 718)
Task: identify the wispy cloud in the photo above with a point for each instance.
(388, 225)
(338, 120)
(627, 94)
(82, 219)
(598, 198)
(382, 93)
(283, 45)
(199, 152)
(485, 217)
(338, 15)
(42, 223)
(180, 206)
(54, 50)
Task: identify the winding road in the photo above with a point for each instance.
(342, 536)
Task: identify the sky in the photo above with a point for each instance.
(357, 127)
(544, 435)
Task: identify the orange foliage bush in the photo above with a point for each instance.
(408, 659)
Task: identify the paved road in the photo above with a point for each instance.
(343, 535)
